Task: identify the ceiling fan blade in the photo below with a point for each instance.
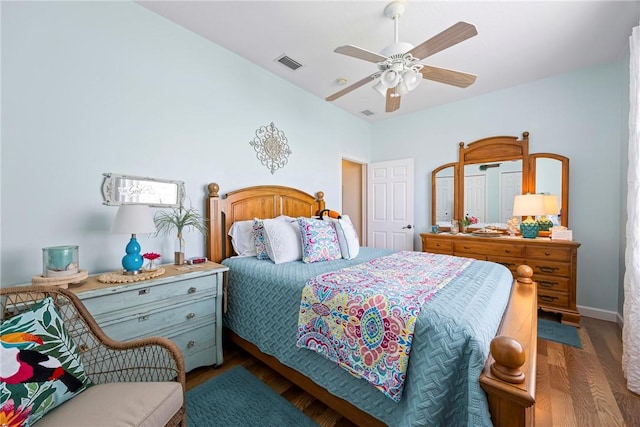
(358, 52)
(393, 100)
(450, 77)
(451, 36)
(354, 86)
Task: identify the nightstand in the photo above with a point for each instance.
(184, 305)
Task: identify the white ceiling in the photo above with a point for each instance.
(517, 41)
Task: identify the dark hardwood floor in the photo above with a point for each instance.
(575, 387)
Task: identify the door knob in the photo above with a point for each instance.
(408, 226)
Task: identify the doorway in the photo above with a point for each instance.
(352, 194)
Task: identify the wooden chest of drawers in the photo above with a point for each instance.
(184, 305)
(554, 264)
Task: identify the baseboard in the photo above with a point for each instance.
(597, 313)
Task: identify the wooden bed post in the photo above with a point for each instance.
(214, 224)
(509, 377)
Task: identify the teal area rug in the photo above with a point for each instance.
(556, 331)
(238, 398)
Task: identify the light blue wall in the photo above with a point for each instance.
(576, 115)
(94, 87)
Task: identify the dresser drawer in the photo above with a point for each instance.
(553, 299)
(511, 263)
(549, 268)
(548, 252)
(437, 246)
(144, 323)
(552, 283)
(131, 296)
(506, 249)
(198, 347)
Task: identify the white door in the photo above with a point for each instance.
(444, 200)
(390, 204)
(475, 196)
(510, 186)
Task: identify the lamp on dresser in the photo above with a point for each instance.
(133, 219)
(529, 205)
(550, 208)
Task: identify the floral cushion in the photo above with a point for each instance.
(259, 239)
(319, 240)
(40, 367)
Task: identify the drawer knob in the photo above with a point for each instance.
(191, 344)
(547, 253)
(191, 290)
(507, 251)
(466, 247)
(191, 315)
(143, 318)
(144, 291)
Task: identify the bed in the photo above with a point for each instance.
(262, 309)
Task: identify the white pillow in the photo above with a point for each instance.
(347, 237)
(242, 238)
(283, 240)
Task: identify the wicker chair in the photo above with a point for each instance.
(153, 359)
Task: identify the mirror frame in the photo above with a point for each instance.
(564, 203)
(115, 193)
(497, 149)
(433, 189)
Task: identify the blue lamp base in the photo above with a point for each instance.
(132, 261)
(529, 228)
(544, 223)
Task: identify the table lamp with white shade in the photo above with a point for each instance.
(528, 205)
(133, 219)
(551, 207)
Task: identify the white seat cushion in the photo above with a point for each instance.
(145, 404)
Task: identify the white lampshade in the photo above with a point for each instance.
(133, 219)
(528, 205)
(551, 206)
(402, 88)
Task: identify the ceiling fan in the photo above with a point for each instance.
(399, 70)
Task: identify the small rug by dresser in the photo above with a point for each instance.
(555, 331)
(238, 398)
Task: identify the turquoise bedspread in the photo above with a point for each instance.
(451, 338)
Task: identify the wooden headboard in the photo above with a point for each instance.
(263, 201)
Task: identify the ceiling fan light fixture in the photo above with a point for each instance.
(411, 78)
(379, 87)
(390, 78)
(402, 88)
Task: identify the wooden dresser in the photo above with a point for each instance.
(554, 264)
(184, 305)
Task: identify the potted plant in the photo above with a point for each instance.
(466, 222)
(179, 218)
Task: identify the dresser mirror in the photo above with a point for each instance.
(488, 174)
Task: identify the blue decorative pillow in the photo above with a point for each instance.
(40, 367)
(259, 239)
(319, 240)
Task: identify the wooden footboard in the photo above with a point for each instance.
(509, 377)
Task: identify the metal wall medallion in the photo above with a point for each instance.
(271, 147)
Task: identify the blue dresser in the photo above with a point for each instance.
(184, 305)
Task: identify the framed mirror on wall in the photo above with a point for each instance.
(126, 189)
(488, 175)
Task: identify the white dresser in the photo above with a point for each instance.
(184, 305)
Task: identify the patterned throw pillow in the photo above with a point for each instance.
(319, 240)
(259, 239)
(347, 237)
(40, 367)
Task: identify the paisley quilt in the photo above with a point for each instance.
(363, 317)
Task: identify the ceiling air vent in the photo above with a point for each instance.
(367, 112)
(289, 62)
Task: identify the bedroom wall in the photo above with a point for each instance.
(577, 115)
(95, 87)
